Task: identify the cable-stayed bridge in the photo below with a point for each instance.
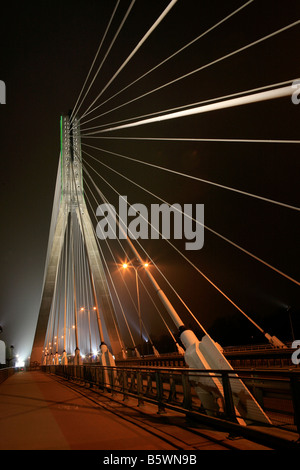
(127, 181)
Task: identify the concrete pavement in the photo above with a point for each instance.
(39, 413)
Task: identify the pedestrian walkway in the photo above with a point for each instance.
(39, 413)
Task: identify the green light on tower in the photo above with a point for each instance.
(61, 154)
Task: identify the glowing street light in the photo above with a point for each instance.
(126, 265)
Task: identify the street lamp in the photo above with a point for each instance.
(144, 265)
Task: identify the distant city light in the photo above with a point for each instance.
(20, 363)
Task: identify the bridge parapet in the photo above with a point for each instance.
(278, 393)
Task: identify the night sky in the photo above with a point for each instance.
(46, 52)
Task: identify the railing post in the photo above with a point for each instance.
(172, 394)
(88, 375)
(97, 381)
(186, 386)
(139, 380)
(93, 376)
(257, 391)
(125, 385)
(228, 399)
(132, 382)
(295, 390)
(149, 390)
(113, 381)
(159, 393)
(106, 378)
(101, 378)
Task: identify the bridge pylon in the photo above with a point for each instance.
(69, 205)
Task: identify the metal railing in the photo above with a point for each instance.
(276, 392)
(253, 347)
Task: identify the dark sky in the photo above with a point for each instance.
(46, 51)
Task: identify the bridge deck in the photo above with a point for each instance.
(37, 412)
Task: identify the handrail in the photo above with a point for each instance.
(276, 392)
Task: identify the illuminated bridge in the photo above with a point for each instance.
(175, 208)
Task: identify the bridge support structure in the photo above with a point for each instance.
(69, 204)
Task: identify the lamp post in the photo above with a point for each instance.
(145, 265)
(83, 309)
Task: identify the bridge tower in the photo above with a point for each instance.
(69, 202)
